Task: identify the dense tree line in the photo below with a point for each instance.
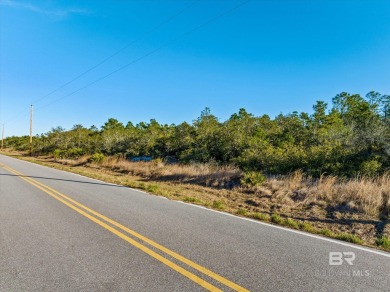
(349, 138)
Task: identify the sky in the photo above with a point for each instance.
(169, 59)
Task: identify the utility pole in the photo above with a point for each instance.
(31, 121)
(2, 139)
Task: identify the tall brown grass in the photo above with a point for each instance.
(362, 195)
(204, 174)
(370, 196)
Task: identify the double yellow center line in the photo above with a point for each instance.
(125, 232)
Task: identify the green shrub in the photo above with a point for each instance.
(57, 153)
(370, 167)
(306, 226)
(291, 223)
(261, 216)
(349, 238)
(152, 188)
(97, 158)
(252, 178)
(275, 218)
(383, 241)
(326, 232)
(218, 205)
(192, 200)
(241, 211)
(74, 153)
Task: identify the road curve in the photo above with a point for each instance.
(60, 231)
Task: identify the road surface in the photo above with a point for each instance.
(64, 232)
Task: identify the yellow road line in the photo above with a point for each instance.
(148, 251)
(152, 243)
(190, 263)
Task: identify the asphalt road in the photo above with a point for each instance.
(63, 232)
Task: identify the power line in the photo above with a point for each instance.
(121, 50)
(211, 20)
(22, 113)
(151, 52)
(155, 28)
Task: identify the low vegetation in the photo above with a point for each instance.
(349, 237)
(326, 173)
(327, 206)
(384, 242)
(349, 139)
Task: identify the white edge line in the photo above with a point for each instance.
(292, 230)
(83, 176)
(93, 179)
(234, 216)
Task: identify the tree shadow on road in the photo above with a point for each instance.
(65, 180)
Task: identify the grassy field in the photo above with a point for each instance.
(353, 210)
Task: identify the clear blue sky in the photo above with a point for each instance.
(269, 57)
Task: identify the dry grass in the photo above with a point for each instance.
(202, 174)
(330, 206)
(364, 196)
(368, 196)
(80, 161)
